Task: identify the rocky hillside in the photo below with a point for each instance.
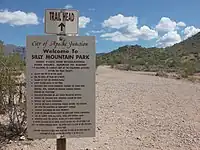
(182, 56)
(10, 48)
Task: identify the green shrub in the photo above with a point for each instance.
(12, 98)
(112, 65)
(187, 69)
(162, 74)
(98, 63)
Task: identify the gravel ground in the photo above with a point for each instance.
(137, 112)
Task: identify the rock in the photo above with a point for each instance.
(29, 139)
(25, 147)
(98, 128)
(138, 138)
(161, 74)
(19, 144)
(22, 138)
(10, 141)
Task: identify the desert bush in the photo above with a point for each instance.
(98, 62)
(128, 67)
(17, 112)
(112, 65)
(123, 66)
(161, 73)
(14, 105)
(139, 61)
(187, 69)
(138, 68)
(12, 96)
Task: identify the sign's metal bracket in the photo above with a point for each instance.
(61, 36)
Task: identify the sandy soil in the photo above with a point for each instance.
(137, 112)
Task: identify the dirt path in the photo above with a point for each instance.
(138, 112)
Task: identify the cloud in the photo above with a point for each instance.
(127, 29)
(118, 37)
(18, 18)
(83, 21)
(144, 33)
(168, 39)
(87, 33)
(181, 24)
(120, 28)
(166, 25)
(97, 31)
(190, 31)
(119, 21)
(68, 6)
(147, 34)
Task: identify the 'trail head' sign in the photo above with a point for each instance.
(61, 21)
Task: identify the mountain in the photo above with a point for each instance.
(188, 46)
(10, 48)
(100, 54)
(173, 58)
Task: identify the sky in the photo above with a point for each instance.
(114, 23)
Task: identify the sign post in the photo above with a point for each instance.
(61, 80)
(61, 144)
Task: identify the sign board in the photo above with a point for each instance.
(61, 86)
(61, 21)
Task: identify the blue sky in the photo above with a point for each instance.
(158, 23)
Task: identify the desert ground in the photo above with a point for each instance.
(137, 112)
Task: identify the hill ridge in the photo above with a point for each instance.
(177, 57)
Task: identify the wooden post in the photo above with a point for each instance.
(61, 144)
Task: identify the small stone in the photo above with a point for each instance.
(10, 141)
(25, 147)
(22, 138)
(29, 139)
(138, 138)
(98, 128)
(18, 144)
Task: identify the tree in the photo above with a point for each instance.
(12, 100)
